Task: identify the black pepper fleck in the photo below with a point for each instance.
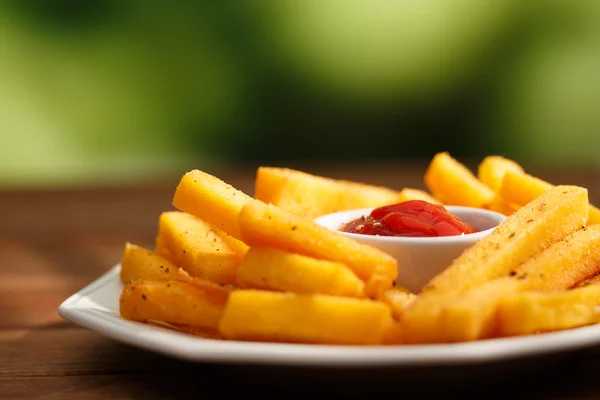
(511, 235)
(294, 227)
(144, 296)
(512, 273)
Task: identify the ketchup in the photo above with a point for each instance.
(414, 218)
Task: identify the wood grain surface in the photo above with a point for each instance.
(54, 242)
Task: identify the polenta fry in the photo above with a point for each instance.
(492, 169)
(269, 226)
(311, 196)
(559, 267)
(521, 188)
(172, 302)
(453, 184)
(543, 222)
(210, 199)
(274, 269)
(140, 264)
(533, 312)
(310, 318)
(199, 248)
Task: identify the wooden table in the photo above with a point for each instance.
(54, 242)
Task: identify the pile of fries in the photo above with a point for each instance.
(234, 267)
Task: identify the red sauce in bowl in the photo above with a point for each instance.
(415, 218)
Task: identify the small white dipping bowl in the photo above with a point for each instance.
(420, 258)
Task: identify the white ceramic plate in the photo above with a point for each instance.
(96, 307)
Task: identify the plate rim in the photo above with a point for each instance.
(191, 348)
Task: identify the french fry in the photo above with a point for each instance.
(408, 194)
(200, 249)
(172, 302)
(311, 196)
(210, 199)
(492, 169)
(533, 312)
(274, 269)
(269, 226)
(559, 267)
(310, 318)
(546, 220)
(502, 206)
(563, 264)
(454, 184)
(521, 188)
(471, 316)
(140, 264)
(398, 300)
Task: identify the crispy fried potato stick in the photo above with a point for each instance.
(274, 269)
(535, 227)
(140, 264)
(533, 312)
(453, 183)
(472, 315)
(311, 196)
(211, 199)
(258, 315)
(492, 169)
(199, 248)
(172, 302)
(269, 226)
(521, 188)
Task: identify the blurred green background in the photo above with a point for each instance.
(125, 90)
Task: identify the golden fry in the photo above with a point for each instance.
(310, 318)
(274, 269)
(311, 196)
(199, 248)
(452, 183)
(139, 263)
(172, 302)
(533, 312)
(210, 199)
(521, 188)
(492, 169)
(471, 316)
(408, 194)
(269, 226)
(535, 227)
(559, 267)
